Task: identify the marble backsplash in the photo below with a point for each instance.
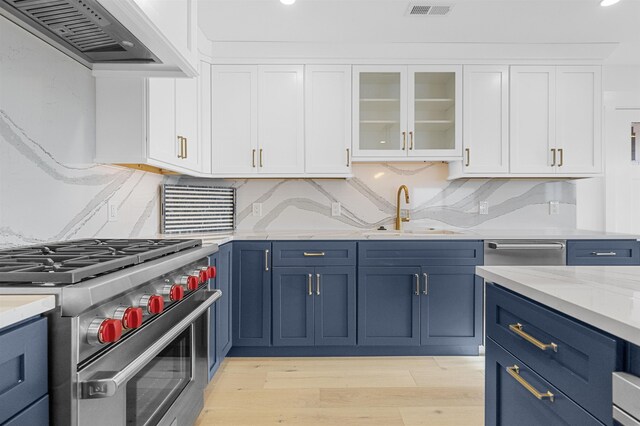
(51, 190)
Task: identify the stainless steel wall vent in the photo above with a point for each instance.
(428, 10)
(189, 209)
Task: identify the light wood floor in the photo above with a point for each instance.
(434, 391)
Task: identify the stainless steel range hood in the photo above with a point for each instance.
(82, 29)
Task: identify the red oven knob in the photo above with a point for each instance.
(203, 275)
(190, 282)
(212, 272)
(132, 318)
(103, 331)
(174, 292)
(152, 303)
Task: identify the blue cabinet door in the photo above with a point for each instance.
(603, 252)
(223, 282)
(251, 295)
(214, 360)
(451, 306)
(293, 294)
(389, 306)
(335, 306)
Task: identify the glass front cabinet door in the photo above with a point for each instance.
(407, 113)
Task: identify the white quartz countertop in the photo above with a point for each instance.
(15, 308)
(607, 297)
(409, 234)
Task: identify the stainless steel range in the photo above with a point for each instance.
(127, 341)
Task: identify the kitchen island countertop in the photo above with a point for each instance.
(16, 308)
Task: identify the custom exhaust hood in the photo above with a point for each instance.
(82, 29)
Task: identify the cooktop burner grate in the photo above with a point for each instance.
(72, 261)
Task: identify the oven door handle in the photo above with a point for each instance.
(106, 384)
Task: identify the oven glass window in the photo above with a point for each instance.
(152, 391)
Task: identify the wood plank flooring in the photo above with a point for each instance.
(434, 391)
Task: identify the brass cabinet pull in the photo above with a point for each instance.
(313, 254)
(553, 151)
(426, 283)
(186, 144)
(180, 147)
(514, 372)
(317, 284)
(348, 157)
(261, 157)
(417, 293)
(266, 260)
(561, 152)
(468, 152)
(410, 140)
(310, 285)
(518, 329)
(404, 141)
(253, 158)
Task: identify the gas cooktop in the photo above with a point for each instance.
(70, 262)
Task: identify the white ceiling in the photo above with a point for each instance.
(385, 21)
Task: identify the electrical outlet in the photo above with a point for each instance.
(554, 207)
(257, 209)
(112, 211)
(336, 209)
(483, 208)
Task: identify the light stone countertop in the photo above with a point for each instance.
(15, 308)
(409, 234)
(607, 297)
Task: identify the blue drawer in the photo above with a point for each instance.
(509, 403)
(420, 253)
(35, 415)
(603, 252)
(585, 358)
(23, 366)
(314, 253)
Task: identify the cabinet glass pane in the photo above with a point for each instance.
(434, 106)
(380, 111)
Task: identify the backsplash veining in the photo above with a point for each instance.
(50, 190)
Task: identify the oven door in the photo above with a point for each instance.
(155, 376)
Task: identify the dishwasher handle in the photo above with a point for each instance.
(525, 246)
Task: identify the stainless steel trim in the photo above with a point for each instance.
(626, 395)
(525, 246)
(266, 260)
(426, 284)
(417, 292)
(310, 285)
(317, 284)
(608, 253)
(108, 386)
(623, 418)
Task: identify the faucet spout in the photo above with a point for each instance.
(399, 218)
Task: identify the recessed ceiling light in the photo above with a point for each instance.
(608, 2)
(287, 2)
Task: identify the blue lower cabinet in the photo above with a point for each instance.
(510, 399)
(451, 306)
(314, 306)
(389, 306)
(37, 414)
(223, 282)
(251, 294)
(214, 359)
(603, 252)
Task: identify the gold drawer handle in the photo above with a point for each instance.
(313, 254)
(515, 373)
(518, 329)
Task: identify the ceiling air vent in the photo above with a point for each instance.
(429, 10)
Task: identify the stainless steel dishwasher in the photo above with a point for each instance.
(626, 399)
(525, 252)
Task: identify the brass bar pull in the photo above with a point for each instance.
(253, 158)
(553, 152)
(514, 372)
(186, 144)
(266, 260)
(561, 151)
(261, 157)
(348, 157)
(180, 147)
(410, 140)
(518, 329)
(417, 293)
(426, 284)
(310, 285)
(468, 152)
(313, 254)
(404, 141)
(317, 284)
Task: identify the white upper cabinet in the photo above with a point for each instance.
(186, 118)
(406, 113)
(163, 142)
(486, 119)
(281, 119)
(578, 127)
(327, 119)
(533, 119)
(234, 119)
(168, 28)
